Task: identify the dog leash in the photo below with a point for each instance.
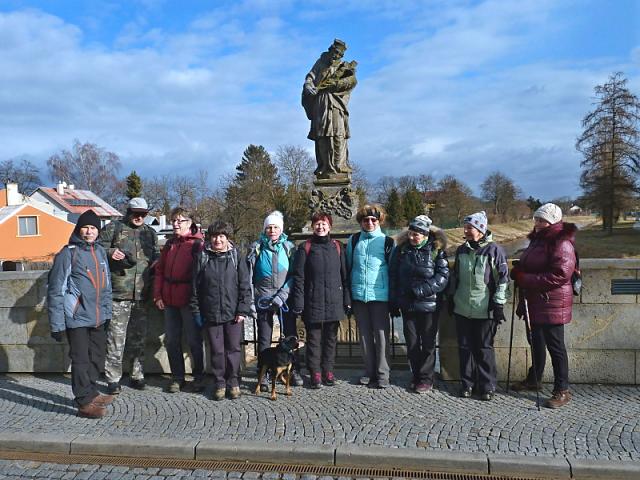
(265, 303)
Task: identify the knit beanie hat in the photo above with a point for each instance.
(478, 221)
(88, 218)
(550, 212)
(421, 224)
(274, 218)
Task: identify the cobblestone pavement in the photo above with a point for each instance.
(20, 469)
(601, 422)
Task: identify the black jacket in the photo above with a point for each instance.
(221, 288)
(320, 281)
(418, 275)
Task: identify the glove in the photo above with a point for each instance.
(197, 320)
(515, 270)
(394, 310)
(348, 311)
(498, 313)
(57, 336)
(277, 302)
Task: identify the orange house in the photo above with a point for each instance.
(28, 232)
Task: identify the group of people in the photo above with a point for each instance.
(100, 283)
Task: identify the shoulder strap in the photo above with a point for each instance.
(336, 244)
(307, 246)
(388, 248)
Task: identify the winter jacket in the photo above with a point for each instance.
(320, 283)
(547, 265)
(480, 279)
(419, 274)
(142, 242)
(368, 265)
(79, 290)
(221, 288)
(174, 270)
(269, 265)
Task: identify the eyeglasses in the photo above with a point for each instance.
(369, 220)
(177, 220)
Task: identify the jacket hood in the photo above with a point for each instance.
(188, 236)
(210, 250)
(375, 233)
(265, 241)
(556, 232)
(436, 236)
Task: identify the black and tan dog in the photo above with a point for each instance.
(278, 361)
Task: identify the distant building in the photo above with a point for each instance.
(575, 210)
(75, 202)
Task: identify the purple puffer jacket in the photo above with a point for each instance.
(547, 265)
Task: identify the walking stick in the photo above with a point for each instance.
(513, 315)
(533, 357)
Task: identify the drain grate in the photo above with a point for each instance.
(182, 464)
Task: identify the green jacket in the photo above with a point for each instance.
(135, 283)
(480, 278)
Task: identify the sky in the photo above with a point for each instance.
(456, 87)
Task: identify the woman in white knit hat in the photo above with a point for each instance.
(544, 278)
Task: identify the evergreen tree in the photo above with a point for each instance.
(134, 185)
(412, 204)
(393, 206)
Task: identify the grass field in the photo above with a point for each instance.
(624, 242)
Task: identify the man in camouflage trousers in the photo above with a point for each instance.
(132, 248)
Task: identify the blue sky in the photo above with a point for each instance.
(445, 87)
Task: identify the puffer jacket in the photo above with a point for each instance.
(547, 265)
(221, 288)
(417, 275)
(369, 270)
(320, 283)
(79, 290)
(174, 270)
(269, 265)
(480, 278)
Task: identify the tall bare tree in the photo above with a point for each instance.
(501, 192)
(22, 172)
(611, 149)
(453, 201)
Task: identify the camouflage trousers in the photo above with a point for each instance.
(128, 327)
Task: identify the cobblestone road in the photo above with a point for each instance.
(600, 423)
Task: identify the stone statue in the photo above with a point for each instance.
(325, 97)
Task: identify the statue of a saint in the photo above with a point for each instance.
(325, 97)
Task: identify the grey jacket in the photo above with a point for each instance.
(79, 290)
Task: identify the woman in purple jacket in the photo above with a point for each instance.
(544, 278)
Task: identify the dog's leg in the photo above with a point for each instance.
(274, 378)
(263, 370)
(288, 384)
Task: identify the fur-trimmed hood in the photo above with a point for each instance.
(555, 233)
(436, 236)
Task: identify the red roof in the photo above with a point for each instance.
(79, 201)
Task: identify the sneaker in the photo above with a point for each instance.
(329, 379)
(486, 396)
(138, 384)
(558, 399)
(526, 385)
(174, 386)
(364, 380)
(423, 387)
(466, 392)
(266, 381)
(114, 388)
(103, 400)
(234, 393)
(218, 394)
(91, 410)
(296, 379)
(316, 380)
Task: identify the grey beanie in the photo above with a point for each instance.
(421, 224)
(478, 221)
(550, 212)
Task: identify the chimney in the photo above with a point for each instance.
(163, 222)
(72, 186)
(60, 188)
(13, 196)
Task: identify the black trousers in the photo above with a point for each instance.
(87, 349)
(420, 330)
(551, 337)
(477, 358)
(264, 322)
(321, 346)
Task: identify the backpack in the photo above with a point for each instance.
(388, 248)
(203, 259)
(307, 246)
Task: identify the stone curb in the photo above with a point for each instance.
(341, 456)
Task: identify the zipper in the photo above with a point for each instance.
(96, 285)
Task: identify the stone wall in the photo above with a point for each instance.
(603, 339)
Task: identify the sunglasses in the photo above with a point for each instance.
(369, 220)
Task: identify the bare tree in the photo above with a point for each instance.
(295, 166)
(501, 192)
(24, 173)
(453, 201)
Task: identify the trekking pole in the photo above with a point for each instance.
(513, 315)
(533, 357)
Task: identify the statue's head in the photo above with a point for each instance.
(337, 49)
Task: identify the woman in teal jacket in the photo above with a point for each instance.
(368, 262)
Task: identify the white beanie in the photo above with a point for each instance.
(550, 212)
(478, 221)
(274, 218)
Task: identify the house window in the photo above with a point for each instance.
(27, 226)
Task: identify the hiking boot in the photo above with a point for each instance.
(138, 383)
(466, 392)
(114, 388)
(486, 396)
(329, 379)
(526, 385)
(91, 410)
(316, 380)
(558, 399)
(103, 400)
(264, 384)
(218, 394)
(296, 379)
(174, 386)
(198, 385)
(234, 393)
(423, 387)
